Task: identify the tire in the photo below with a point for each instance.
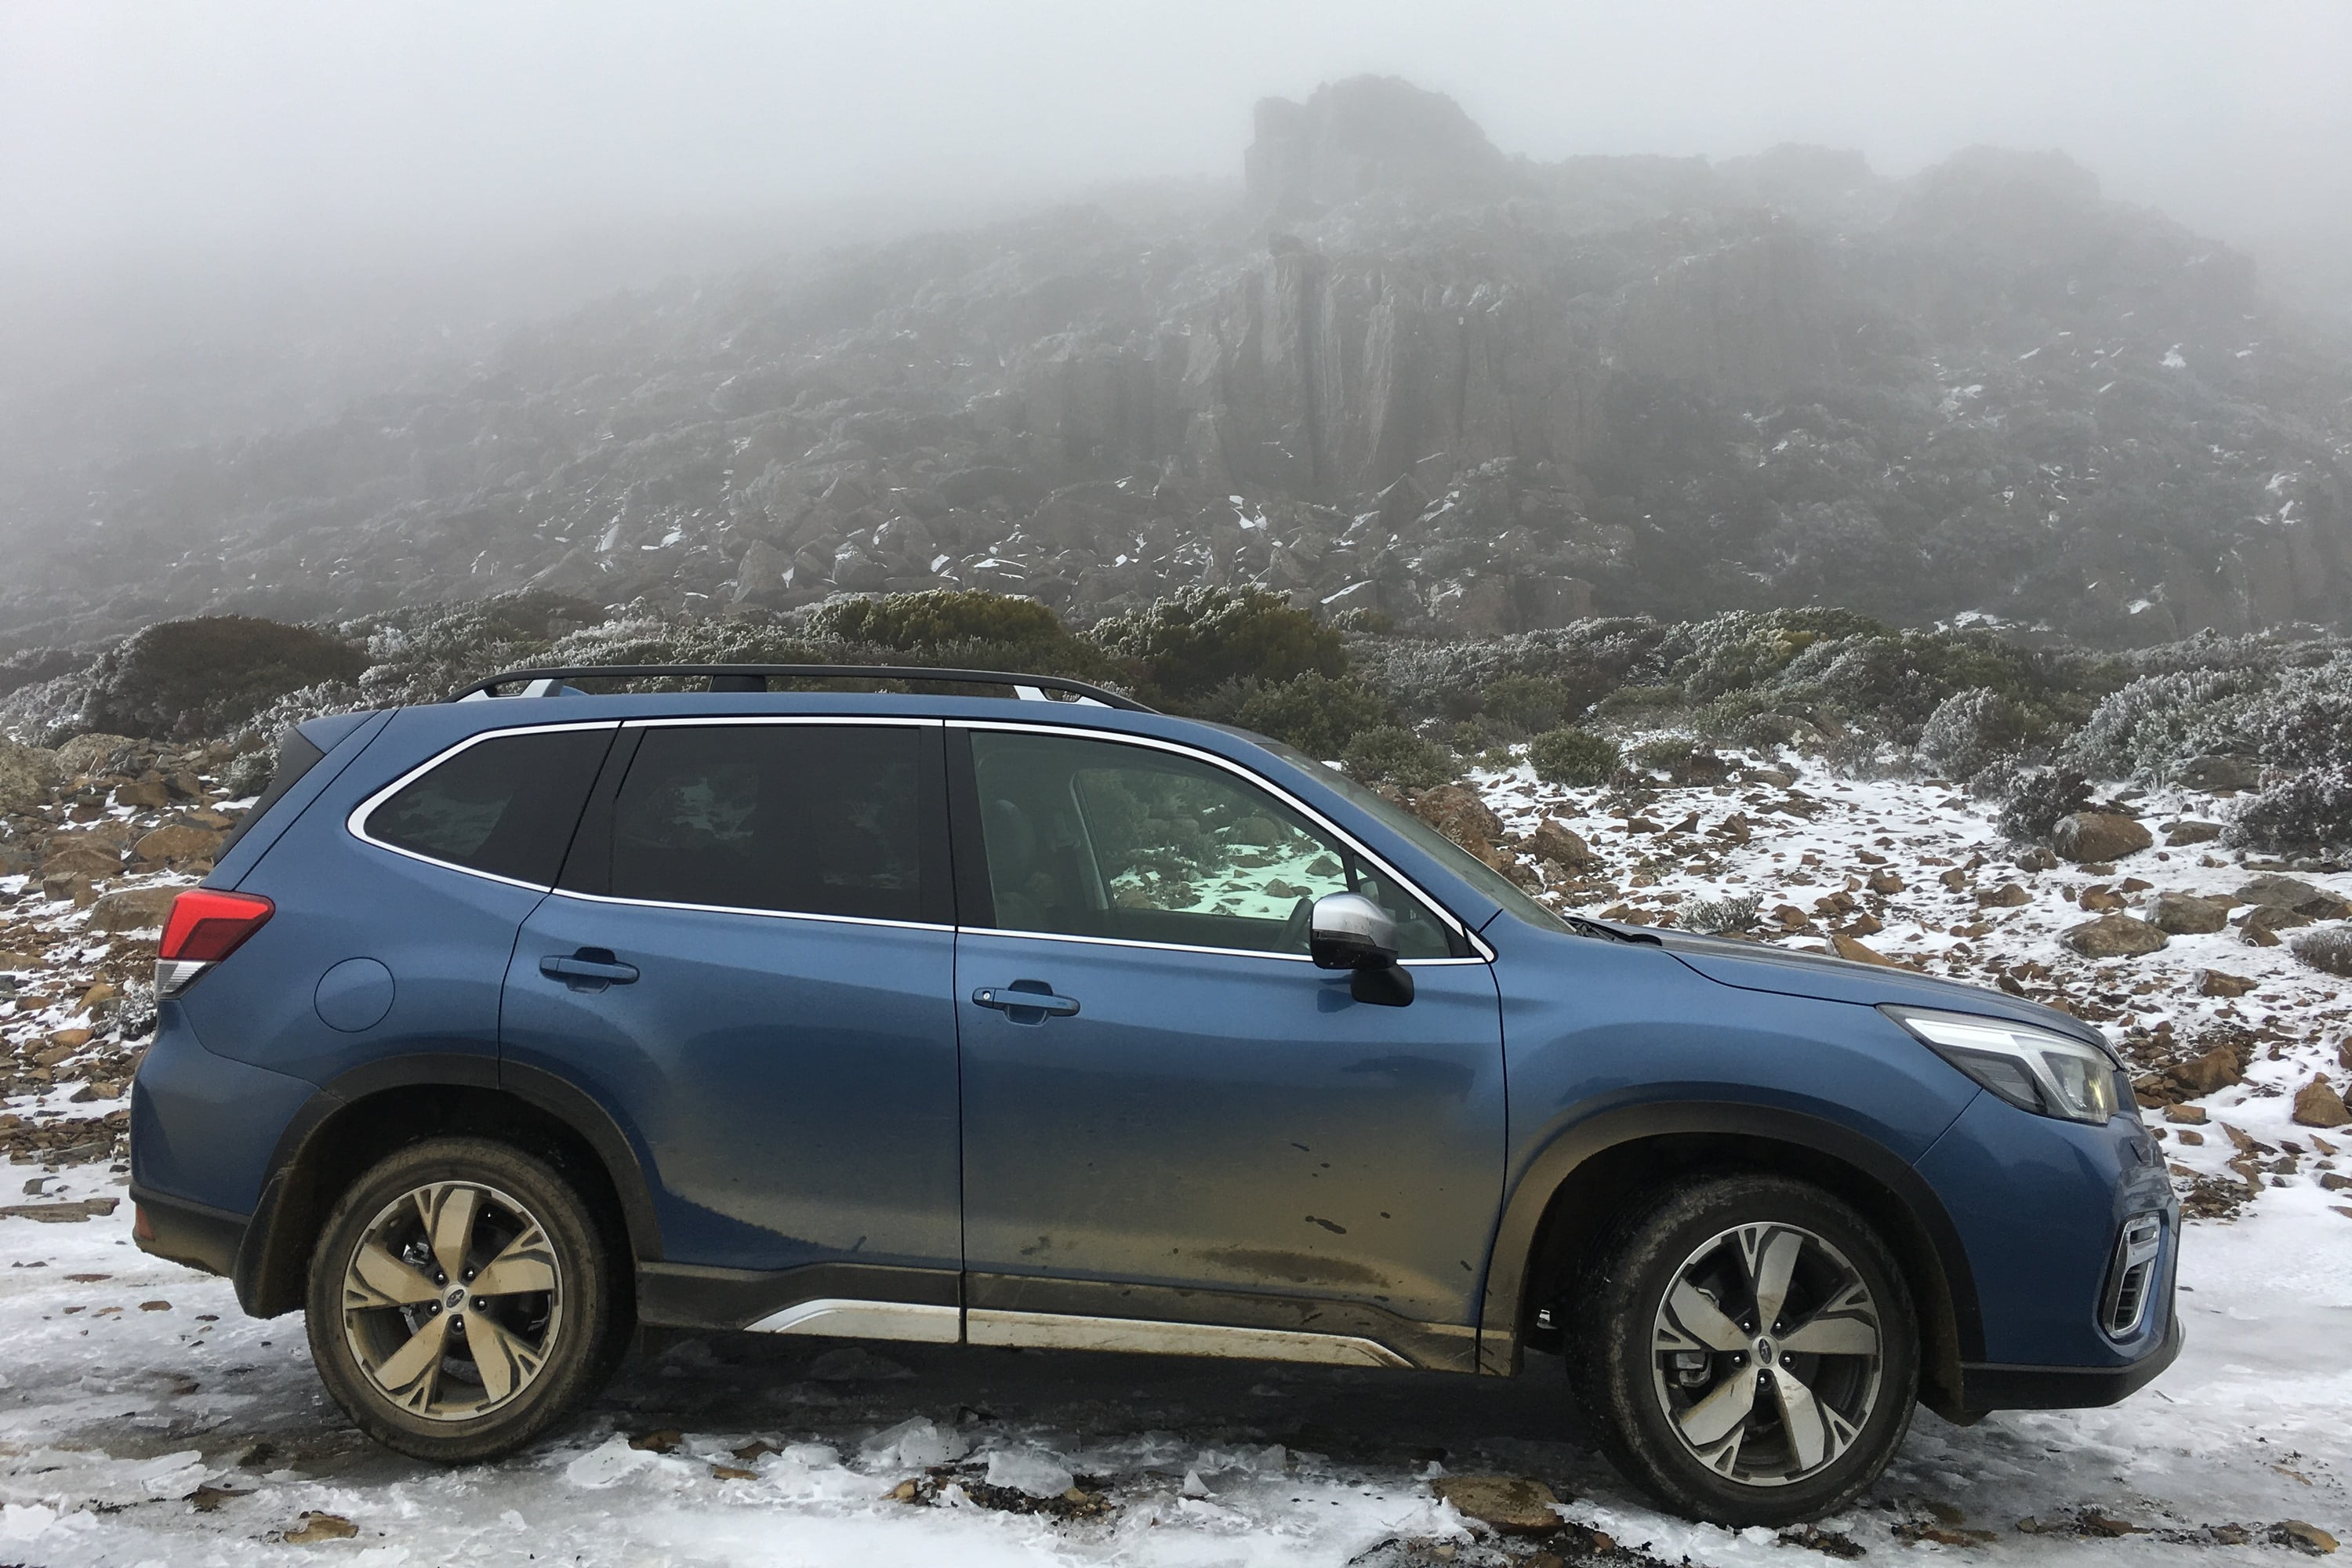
(1724, 1418)
(397, 1335)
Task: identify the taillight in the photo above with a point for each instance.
(205, 927)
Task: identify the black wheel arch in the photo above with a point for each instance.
(362, 1115)
(1562, 1204)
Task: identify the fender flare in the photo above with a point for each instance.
(1504, 1307)
(277, 1238)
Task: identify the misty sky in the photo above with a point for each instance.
(131, 128)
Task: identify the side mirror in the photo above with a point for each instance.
(1347, 931)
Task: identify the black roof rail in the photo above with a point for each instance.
(547, 681)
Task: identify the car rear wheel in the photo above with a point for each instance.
(461, 1300)
(1746, 1352)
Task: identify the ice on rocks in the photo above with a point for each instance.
(915, 1443)
(1029, 1471)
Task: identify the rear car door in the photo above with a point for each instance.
(747, 962)
(1192, 1124)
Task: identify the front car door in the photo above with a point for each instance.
(1194, 1139)
(747, 962)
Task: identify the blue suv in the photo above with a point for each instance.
(509, 1024)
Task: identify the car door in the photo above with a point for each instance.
(747, 962)
(1192, 1126)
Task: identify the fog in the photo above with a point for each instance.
(206, 180)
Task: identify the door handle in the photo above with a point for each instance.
(590, 969)
(1026, 1002)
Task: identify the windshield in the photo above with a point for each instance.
(1424, 837)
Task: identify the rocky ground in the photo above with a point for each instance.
(142, 1419)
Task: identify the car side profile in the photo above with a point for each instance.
(507, 1025)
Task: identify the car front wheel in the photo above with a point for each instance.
(461, 1300)
(1746, 1352)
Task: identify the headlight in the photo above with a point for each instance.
(2035, 1070)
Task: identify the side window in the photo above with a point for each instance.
(820, 819)
(506, 805)
(1095, 838)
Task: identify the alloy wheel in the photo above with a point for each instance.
(452, 1300)
(1767, 1354)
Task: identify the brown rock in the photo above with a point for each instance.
(1512, 1504)
(2316, 1104)
(2293, 893)
(148, 793)
(1884, 882)
(1555, 840)
(313, 1528)
(1955, 879)
(2308, 1539)
(2093, 835)
(1847, 948)
(2200, 1076)
(1734, 828)
(2176, 834)
(178, 845)
(2260, 926)
(133, 909)
(1791, 916)
(2214, 983)
(80, 856)
(2185, 914)
(91, 753)
(2113, 936)
(2186, 1115)
(2008, 895)
(1458, 813)
(2100, 898)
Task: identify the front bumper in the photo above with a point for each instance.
(1986, 1385)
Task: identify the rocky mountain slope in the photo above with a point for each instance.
(1404, 373)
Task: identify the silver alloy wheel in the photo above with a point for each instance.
(1767, 1354)
(452, 1300)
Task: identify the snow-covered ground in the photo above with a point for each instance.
(143, 1420)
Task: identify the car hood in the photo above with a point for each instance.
(1751, 967)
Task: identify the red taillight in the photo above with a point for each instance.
(205, 926)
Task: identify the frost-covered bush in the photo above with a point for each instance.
(2037, 797)
(2147, 729)
(1574, 757)
(1745, 719)
(2312, 810)
(2305, 720)
(1529, 704)
(1391, 753)
(1971, 729)
(1198, 639)
(1710, 916)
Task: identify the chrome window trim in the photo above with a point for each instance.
(1481, 952)
(355, 824)
(1188, 947)
(739, 910)
(716, 721)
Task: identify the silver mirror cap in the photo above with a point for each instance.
(1347, 931)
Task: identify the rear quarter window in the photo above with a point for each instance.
(506, 804)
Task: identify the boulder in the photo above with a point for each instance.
(2260, 926)
(80, 856)
(2212, 771)
(1555, 840)
(179, 845)
(2008, 895)
(2316, 1104)
(2213, 983)
(99, 753)
(27, 774)
(1884, 882)
(2113, 936)
(1456, 811)
(133, 909)
(2176, 834)
(2293, 893)
(2329, 948)
(2200, 1076)
(1847, 948)
(2095, 835)
(2186, 914)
